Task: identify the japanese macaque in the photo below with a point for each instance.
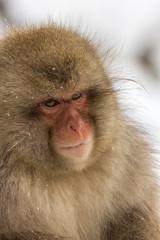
(72, 166)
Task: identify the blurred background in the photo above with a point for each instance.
(130, 28)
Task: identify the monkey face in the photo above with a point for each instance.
(70, 127)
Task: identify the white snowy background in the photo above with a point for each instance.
(130, 27)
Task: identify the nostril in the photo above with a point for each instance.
(72, 128)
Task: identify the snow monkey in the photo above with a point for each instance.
(71, 165)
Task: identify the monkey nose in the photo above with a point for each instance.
(75, 126)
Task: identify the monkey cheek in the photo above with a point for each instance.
(76, 153)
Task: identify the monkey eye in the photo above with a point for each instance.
(76, 96)
(51, 103)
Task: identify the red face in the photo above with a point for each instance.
(71, 131)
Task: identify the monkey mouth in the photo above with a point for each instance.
(74, 146)
(80, 150)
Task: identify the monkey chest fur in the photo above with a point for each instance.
(72, 209)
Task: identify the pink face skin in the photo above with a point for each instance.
(71, 131)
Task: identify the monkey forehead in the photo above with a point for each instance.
(51, 53)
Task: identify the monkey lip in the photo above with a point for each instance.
(76, 151)
(74, 146)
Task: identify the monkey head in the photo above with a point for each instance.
(54, 98)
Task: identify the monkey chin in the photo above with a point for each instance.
(78, 152)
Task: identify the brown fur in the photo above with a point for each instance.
(114, 195)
